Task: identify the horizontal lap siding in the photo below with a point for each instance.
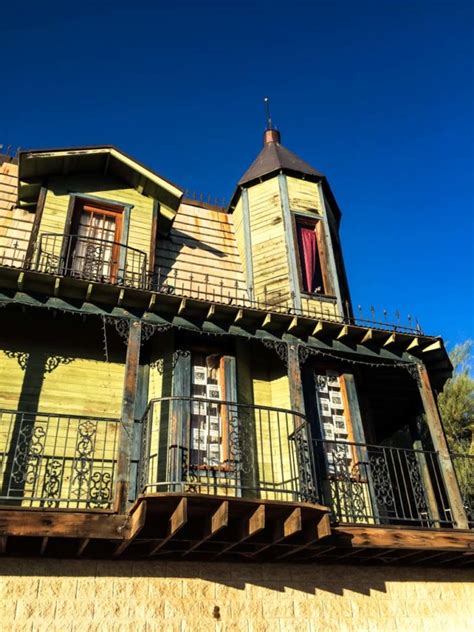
(15, 223)
(200, 256)
(58, 196)
(270, 264)
(304, 196)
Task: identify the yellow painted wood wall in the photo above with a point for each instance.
(269, 255)
(57, 201)
(41, 379)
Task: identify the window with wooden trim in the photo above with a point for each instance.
(212, 388)
(312, 250)
(93, 250)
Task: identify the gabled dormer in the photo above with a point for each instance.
(287, 228)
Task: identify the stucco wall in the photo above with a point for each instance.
(64, 595)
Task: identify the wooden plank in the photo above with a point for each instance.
(403, 538)
(127, 418)
(35, 228)
(82, 546)
(435, 346)
(313, 531)
(216, 522)
(414, 344)
(290, 245)
(367, 337)
(137, 521)
(440, 444)
(29, 523)
(44, 544)
(294, 378)
(178, 519)
(284, 528)
(251, 525)
(343, 333)
(391, 340)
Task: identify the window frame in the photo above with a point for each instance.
(316, 223)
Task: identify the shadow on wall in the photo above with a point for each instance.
(280, 578)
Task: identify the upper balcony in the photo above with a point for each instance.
(111, 263)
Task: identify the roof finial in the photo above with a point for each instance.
(271, 135)
(266, 100)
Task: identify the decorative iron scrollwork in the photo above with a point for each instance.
(83, 460)
(306, 474)
(159, 365)
(52, 482)
(100, 490)
(52, 362)
(28, 454)
(278, 346)
(180, 353)
(21, 357)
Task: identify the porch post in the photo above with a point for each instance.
(441, 446)
(127, 418)
(294, 378)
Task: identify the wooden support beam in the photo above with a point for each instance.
(89, 289)
(82, 546)
(313, 531)
(34, 523)
(320, 329)
(3, 544)
(151, 303)
(20, 281)
(216, 522)
(137, 521)
(239, 317)
(182, 307)
(368, 336)
(343, 333)
(414, 344)
(178, 519)
(406, 538)
(294, 325)
(120, 298)
(211, 313)
(57, 286)
(127, 418)
(391, 340)
(251, 525)
(44, 544)
(284, 528)
(440, 444)
(269, 322)
(294, 378)
(434, 346)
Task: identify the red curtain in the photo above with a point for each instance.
(308, 256)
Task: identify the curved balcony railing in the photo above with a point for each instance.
(224, 448)
(464, 467)
(91, 259)
(374, 484)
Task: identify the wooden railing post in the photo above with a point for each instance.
(440, 444)
(127, 418)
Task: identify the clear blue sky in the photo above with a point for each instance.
(377, 95)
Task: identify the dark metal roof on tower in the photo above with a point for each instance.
(273, 158)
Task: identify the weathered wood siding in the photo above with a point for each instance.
(15, 223)
(269, 255)
(304, 196)
(236, 220)
(58, 196)
(200, 256)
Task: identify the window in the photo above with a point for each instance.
(312, 257)
(211, 382)
(93, 250)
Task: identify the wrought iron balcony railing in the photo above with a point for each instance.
(91, 259)
(373, 484)
(50, 460)
(223, 448)
(464, 467)
(113, 263)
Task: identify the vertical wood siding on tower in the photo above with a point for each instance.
(304, 196)
(270, 264)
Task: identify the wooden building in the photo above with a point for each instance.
(181, 380)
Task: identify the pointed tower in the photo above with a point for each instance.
(287, 227)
